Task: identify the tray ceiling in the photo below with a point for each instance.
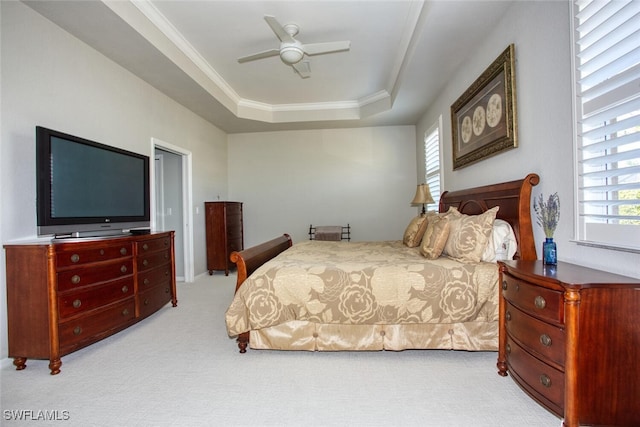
(401, 55)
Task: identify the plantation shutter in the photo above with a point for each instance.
(432, 165)
(607, 62)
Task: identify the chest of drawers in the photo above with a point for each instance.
(224, 229)
(570, 338)
(64, 296)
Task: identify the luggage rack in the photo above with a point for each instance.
(330, 232)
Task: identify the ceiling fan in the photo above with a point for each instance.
(291, 51)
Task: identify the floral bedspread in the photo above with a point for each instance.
(363, 283)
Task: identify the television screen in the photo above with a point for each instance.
(88, 188)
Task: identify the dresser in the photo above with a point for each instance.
(570, 338)
(223, 224)
(64, 296)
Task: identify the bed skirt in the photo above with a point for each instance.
(309, 336)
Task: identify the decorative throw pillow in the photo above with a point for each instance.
(435, 237)
(469, 235)
(415, 230)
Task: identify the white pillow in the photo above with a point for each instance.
(502, 243)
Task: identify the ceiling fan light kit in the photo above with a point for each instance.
(292, 51)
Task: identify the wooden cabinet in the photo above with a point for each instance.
(224, 233)
(64, 296)
(570, 338)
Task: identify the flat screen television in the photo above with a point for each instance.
(88, 189)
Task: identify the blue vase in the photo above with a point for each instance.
(549, 253)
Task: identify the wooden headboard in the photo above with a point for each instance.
(514, 200)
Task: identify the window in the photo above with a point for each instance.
(607, 81)
(432, 164)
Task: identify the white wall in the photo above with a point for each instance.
(289, 180)
(541, 34)
(50, 78)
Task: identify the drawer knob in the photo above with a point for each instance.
(123, 269)
(508, 348)
(125, 312)
(146, 301)
(545, 340)
(146, 281)
(540, 302)
(123, 251)
(504, 285)
(77, 330)
(125, 289)
(508, 315)
(75, 279)
(101, 251)
(77, 303)
(145, 262)
(145, 246)
(75, 258)
(166, 243)
(166, 291)
(545, 380)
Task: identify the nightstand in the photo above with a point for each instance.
(570, 338)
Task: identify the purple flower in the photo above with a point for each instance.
(547, 214)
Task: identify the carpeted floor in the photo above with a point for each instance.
(179, 368)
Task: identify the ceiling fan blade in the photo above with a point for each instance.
(328, 47)
(259, 55)
(278, 29)
(303, 69)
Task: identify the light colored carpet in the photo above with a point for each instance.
(179, 368)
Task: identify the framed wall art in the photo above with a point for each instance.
(483, 119)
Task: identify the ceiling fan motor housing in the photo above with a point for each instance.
(291, 53)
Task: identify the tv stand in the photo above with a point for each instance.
(63, 296)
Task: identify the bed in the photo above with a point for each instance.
(337, 296)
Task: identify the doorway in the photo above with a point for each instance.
(171, 202)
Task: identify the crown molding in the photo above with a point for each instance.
(150, 23)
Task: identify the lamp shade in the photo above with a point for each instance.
(423, 195)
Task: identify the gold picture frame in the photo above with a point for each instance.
(483, 119)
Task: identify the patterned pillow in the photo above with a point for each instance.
(415, 230)
(468, 234)
(435, 237)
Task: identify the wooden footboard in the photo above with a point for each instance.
(248, 260)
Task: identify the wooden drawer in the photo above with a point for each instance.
(234, 234)
(153, 260)
(95, 273)
(152, 245)
(234, 245)
(233, 210)
(84, 255)
(544, 383)
(538, 301)
(152, 278)
(80, 301)
(83, 330)
(154, 299)
(547, 341)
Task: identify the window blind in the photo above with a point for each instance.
(432, 164)
(607, 74)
